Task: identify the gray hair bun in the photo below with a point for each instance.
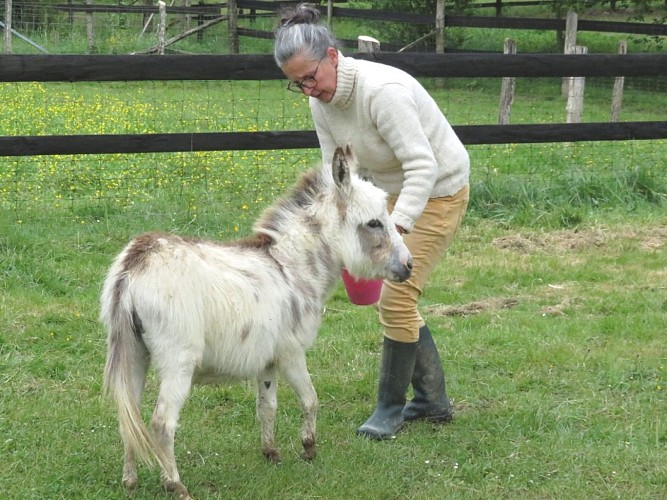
(304, 13)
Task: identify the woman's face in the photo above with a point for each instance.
(315, 78)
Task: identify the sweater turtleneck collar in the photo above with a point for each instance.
(345, 81)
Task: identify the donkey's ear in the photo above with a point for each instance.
(340, 168)
(348, 151)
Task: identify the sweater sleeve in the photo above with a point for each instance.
(395, 113)
(324, 136)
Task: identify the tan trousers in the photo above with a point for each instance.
(428, 242)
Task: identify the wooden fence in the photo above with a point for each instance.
(248, 9)
(450, 21)
(15, 68)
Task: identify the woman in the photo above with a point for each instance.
(410, 150)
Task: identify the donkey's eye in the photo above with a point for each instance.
(375, 224)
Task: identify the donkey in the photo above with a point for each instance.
(206, 312)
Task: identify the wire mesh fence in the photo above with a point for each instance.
(66, 188)
(227, 189)
(108, 27)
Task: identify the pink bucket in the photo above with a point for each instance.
(360, 291)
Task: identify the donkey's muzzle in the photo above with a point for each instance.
(401, 272)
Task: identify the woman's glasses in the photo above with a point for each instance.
(308, 82)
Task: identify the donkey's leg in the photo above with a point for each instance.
(137, 377)
(296, 373)
(174, 391)
(267, 404)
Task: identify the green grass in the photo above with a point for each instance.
(553, 344)
(549, 310)
(514, 182)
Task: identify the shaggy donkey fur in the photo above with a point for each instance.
(204, 311)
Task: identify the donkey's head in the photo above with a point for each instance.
(369, 243)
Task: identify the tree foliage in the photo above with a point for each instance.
(404, 33)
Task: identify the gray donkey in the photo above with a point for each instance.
(206, 312)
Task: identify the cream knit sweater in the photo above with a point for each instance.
(397, 132)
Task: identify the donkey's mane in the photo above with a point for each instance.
(282, 215)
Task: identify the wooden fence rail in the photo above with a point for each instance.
(15, 68)
(256, 141)
(86, 68)
(210, 9)
(381, 15)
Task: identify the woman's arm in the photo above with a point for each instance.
(396, 115)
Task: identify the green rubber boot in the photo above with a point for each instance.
(430, 400)
(398, 361)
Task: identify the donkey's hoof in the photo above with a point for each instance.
(309, 450)
(130, 484)
(177, 488)
(272, 455)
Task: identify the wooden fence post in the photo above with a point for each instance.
(440, 27)
(499, 8)
(617, 96)
(233, 13)
(161, 27)
(575, 97)
(200, 21)
(507, 88)
(8, 27)
(330, 12)
(571, 22)
(368, 44)
(187, 17)
(439, 36)
(90, 30)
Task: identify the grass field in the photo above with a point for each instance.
(550, 310)
(555, 183)
(553, 343)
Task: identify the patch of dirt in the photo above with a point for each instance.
(516, 243)
(472, 308)
(654, 243)
(554, 240)
(555, 310)
(649, 239)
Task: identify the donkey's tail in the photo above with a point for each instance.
(124, 371)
